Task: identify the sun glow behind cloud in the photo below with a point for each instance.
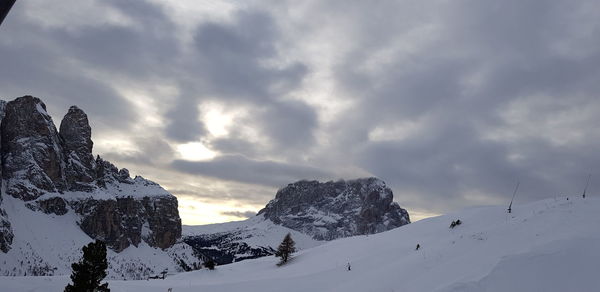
(216, 120)
(195, 151)
(195, 212)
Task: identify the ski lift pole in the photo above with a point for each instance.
(586, 185)
(5, 6)
(513, 197)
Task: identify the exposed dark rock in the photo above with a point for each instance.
(226, 247)
(126, 221)
(32, 156)
(6, 233)
(163, 220)
(38, 160)
(116, 222)
(76, 135)
(55, 205)
(107, 174)
(336, 209)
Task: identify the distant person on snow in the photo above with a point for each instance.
(349, 267)
(418, 246)
(455, 223)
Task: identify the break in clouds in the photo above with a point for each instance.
(449, 102)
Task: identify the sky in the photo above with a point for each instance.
(451, 103)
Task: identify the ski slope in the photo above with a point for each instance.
(550, 245)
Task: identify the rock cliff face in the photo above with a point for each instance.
(332, 210)
(311, 211)
(32, 156)
(6, 233)
(56, 173)
(76, 135)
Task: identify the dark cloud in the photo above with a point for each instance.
(483, 60)
(450, 103)
(232, 64)
(152, 151)
(60, 64)
(242, 169)
(240, 214)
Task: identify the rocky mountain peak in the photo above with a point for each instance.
(336, 209)
(55, 172)
(32, 156)
(76, 135)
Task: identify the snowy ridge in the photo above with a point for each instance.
(47, 244)
(549, 245)
(239, 240)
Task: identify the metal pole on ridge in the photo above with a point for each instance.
(586, 185)
(513, 197)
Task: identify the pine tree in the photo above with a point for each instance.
(90, 270)
(210, 264)
(285, 249)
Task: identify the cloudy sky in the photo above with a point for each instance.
(223, 102)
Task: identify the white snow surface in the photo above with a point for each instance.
(50, 243)
(256, 232)
(550, 245)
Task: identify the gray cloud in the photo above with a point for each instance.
(483, 60)
(241, 169)
(450, 103)
(231, 65)
(245, 214)
(59, 64)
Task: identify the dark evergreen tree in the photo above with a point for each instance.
(210, 264)
(286, 248)
(90, 270)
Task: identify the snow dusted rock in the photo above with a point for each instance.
(56, 173)
(6, 234)
(76, 135)
(126, 221)
(311, 211)
(108, 174)
(47, 244)
(241, 240)
(332, 210)
(54, 205)
(32, 157)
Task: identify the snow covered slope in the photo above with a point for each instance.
(47, 244)
(240, 240)
(550, 245)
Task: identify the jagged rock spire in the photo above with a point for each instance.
(32, 155)
(76, 135)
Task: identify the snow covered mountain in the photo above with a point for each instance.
(311, 211)
(47, 244)
(337, 209)
(549, 245)
(240, 240)
(51, 179)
